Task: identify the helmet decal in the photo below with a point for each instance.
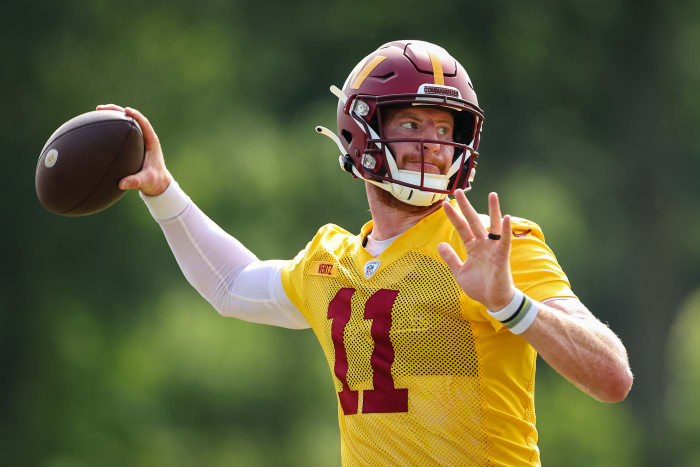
(439, 89)
(366, 71)
(437, 69)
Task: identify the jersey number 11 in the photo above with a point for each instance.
(384, 397)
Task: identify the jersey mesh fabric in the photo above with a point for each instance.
(467, 381)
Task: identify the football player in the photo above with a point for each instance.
(431, 317)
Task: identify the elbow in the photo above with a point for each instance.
(225, 312)
(227, 309)
(624, 385)
(223, 306)
(617, 386)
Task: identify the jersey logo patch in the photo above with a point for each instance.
(371, 267)
(319, 268)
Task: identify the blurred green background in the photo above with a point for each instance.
(110, 358)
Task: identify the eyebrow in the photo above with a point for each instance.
(411, 113)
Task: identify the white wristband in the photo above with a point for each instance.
(527, 316)
(519, 314)
(510, 309)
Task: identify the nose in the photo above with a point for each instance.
(431, 147)
(430, 132)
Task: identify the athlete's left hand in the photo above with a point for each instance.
(485, 275)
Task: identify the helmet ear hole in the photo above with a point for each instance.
(347, 135)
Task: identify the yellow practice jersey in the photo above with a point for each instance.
(424, 375)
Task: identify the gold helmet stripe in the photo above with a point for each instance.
(437, 69)
(367, 70)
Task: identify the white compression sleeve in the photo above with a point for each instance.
(223, 271)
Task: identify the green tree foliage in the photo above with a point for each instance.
(576, 430)
(109, 357)
(684, 378)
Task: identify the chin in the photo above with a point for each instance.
(388, 199)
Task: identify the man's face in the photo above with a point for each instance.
(420, 122)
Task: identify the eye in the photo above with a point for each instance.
(443, 130)
(410, 125)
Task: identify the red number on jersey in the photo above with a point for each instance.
(339, 312)
(384, 397)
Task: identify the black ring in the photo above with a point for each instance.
(494, 236)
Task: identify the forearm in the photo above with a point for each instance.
(582, 349)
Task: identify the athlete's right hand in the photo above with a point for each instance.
(153, 178)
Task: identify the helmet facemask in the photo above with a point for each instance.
(415, 187)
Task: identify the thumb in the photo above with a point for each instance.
(131, 182)
(449, 256)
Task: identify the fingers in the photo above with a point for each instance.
(495, 214)
(459, 222)
(144, 178)
(499, 226)
(132, 182)
(450, 257)
(129, 183)
(149, 135)
(469, 225)
(153, 178)
(110, 107)
(470, 214)
(507, 238)
(151, 182)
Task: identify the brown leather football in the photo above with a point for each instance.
(80, 166)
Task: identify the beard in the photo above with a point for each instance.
(389, 200)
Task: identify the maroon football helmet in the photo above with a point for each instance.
(406, 73)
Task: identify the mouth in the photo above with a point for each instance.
(425, 167)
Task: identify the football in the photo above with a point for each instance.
(80, 166)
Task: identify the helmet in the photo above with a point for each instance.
(406, 73)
